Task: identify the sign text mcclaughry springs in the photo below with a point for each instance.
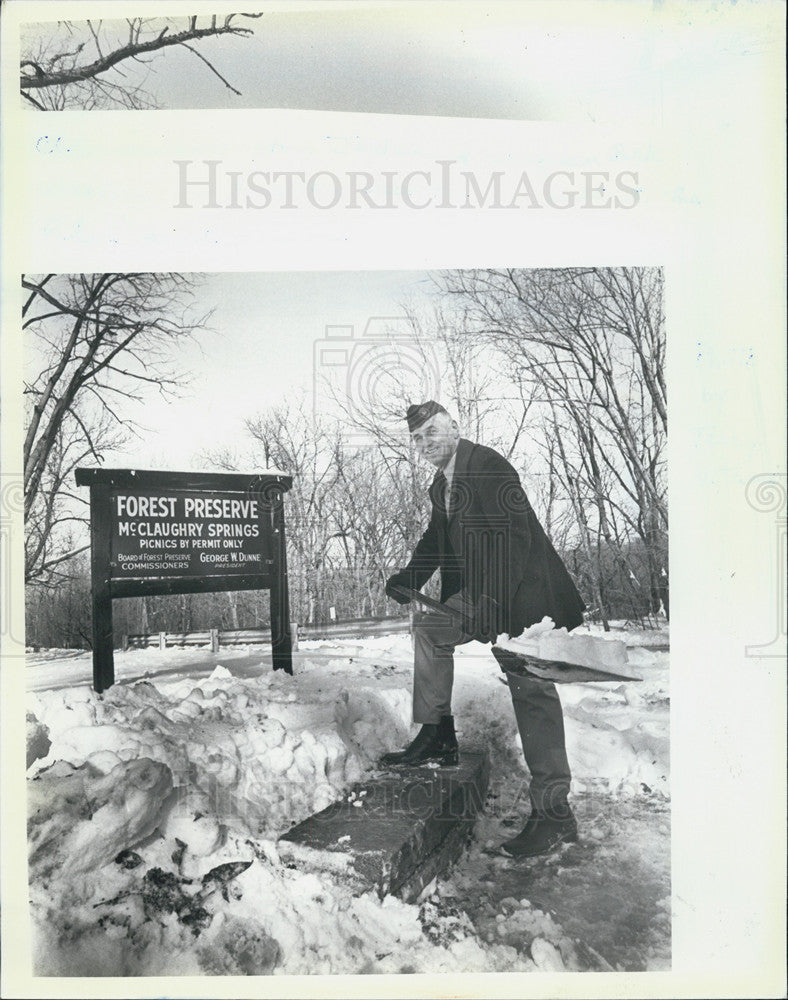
(185, 532)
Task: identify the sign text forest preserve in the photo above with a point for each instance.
(155, 532)
(185, 533)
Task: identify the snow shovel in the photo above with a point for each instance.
(469, 624)
(509, 660)
(557, 671)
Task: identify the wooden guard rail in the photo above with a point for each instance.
(350, 629)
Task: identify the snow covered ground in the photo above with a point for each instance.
(155, 808)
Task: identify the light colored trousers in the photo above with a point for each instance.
(536, 704)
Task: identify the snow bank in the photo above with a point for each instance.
(616, 733)
(148, 787)
(241, 750)
(155, 808)
(80, 819)
(38, 742)
(544, 641)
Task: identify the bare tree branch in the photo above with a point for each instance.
(94, 339)
(212, 68)
(66, 75)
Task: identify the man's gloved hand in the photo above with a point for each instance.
(401, 579)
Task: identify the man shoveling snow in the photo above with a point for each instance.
(493, 554)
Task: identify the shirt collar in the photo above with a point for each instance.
(448, 471)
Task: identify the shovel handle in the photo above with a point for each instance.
(463, 621)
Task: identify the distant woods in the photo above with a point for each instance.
(562, 370)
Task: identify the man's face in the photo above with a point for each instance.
(436, 439)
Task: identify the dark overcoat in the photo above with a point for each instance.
(491, 542)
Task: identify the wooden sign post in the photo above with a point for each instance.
(185, 533)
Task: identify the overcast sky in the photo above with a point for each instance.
(259, 352)
(521, 60)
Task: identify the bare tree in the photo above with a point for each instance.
(102, 64)
(351, 514)
(379, 509)
(56, 511)
(382, 501)
(591, 344)
(94, 341)
(289, 438)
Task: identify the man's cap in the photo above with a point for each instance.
(420, 413)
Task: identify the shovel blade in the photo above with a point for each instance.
(555, 671)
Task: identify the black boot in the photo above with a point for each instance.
(434, 742)
(542, 834)
(448, 738)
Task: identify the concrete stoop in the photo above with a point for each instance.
(397, 831)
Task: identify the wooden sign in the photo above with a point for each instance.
(185, 532)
